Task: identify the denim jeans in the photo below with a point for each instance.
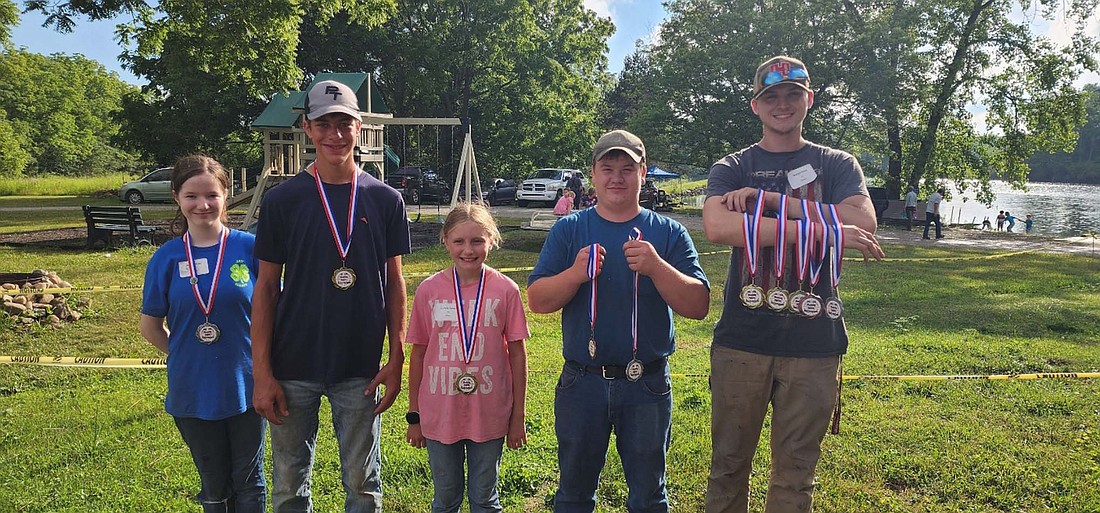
(587, 408)
(802, 394)
(229, 455)
(294, 441)
(446, 461)
(931, 218)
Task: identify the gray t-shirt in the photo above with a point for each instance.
(763, 330)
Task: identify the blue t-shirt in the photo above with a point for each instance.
(324, 334)
(209, 382)
(615, 286)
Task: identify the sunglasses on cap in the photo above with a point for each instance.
(775, 76)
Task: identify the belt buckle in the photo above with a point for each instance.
(603, 372)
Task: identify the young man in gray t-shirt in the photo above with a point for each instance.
(767, 352)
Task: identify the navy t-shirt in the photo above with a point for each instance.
(763, 330)
(615, 287)
(324, 334)
(210, 382)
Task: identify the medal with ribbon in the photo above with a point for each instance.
(812, 305)
(593, 255)
(207, 332)
(834, 308)
(343, 277)
(802, 257)
(466, 382)
(778, 297)
(634, 368)
(752, 295)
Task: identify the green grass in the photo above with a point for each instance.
(51, 185)
(17, 221)
(99, 440)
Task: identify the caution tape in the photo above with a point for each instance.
(71, 290)
(160, 363)
(86, 361)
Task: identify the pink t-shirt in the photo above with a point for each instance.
(563, 206)
(447, 415)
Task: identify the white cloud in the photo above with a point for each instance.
(601, 7)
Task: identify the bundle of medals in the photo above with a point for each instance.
(809, 259)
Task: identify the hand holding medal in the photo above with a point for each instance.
(594, 262)
(634, 369)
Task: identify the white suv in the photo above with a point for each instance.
(544, 185)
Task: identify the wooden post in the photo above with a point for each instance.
(244, 180)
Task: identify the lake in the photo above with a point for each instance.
(1059, 209)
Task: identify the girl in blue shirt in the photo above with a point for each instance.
(196, 305)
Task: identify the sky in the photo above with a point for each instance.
(633, 19)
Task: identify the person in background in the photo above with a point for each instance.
(201, 284)
(463, 403)
(1028, 224)
(565, 204)
(1010, 220)
(1000, 220)
(932, 213)
(910, 207)
(576, 184)
(589, 199)
(339, 234)
(617, 272)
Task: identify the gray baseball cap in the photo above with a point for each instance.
(328, 96)
(619, 140)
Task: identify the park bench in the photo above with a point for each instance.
(105, 221)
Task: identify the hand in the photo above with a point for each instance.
(268, 398)
(580, 264)
(517, 434)
(389, 376)
(737, 201)
(858, 238)
(641, 257)
(415, 437)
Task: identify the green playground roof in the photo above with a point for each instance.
(284, 110)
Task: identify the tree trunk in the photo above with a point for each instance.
(947, 87)
(893, 141)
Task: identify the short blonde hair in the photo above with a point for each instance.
(475, 213)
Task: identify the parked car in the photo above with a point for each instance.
(420, 185)
(502, 192)
(155, 186)
(545, 185)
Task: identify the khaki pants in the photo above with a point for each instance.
(802, 392)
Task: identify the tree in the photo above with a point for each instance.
(60, 111)
(9, 15)
(1082, 165)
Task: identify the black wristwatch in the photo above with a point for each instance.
(413, 417)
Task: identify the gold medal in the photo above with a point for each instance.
(592, 347)
(752, 296)
(778, 299)
(466, 383)
(634, 370)
(343, 278)
(208, 333)
(795, 303)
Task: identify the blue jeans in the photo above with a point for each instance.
(294, 442)
(929, 219)
(446, 461)
(229, 455)
(587, 408)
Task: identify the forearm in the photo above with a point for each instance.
(416, 374)
(686, 295)
(552, 293)
(396, 310)
(153, 330)
(517, 359)
(264, 296)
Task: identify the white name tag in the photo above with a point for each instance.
(444, 311)
(201, 267)
(801, 176)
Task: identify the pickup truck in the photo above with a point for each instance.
(418, 184)
(543, 185)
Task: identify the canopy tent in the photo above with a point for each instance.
(656, 173)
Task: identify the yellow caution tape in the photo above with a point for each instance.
(160, 363)
(86, 361)
(71, 290)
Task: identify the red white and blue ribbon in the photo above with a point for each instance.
(593, 255)
(751, 225)
(838, 245)
(805, 239)
(635, 234)
(780, 239)
(817, 257)
(468, 334)
(342, 246)
(207, 305)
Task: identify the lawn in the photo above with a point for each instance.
(92, 440)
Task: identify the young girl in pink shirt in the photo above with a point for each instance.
(468, 369)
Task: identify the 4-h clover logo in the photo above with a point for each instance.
(238, 272)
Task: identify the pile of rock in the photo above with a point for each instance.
(27, 303)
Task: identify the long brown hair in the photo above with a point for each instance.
(187, 167)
